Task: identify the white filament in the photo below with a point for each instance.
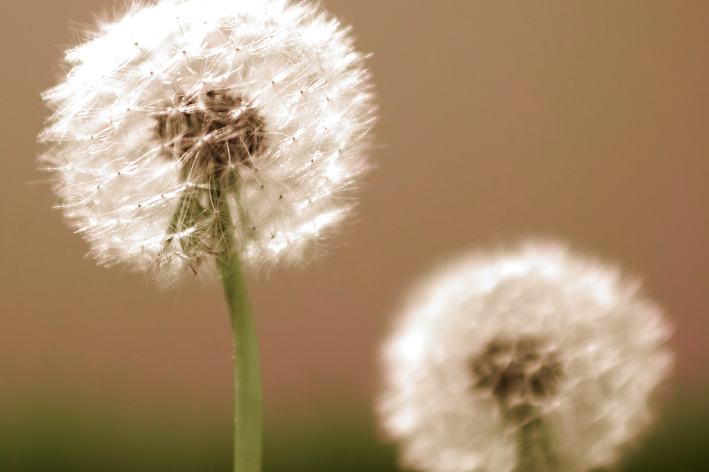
(291, 60)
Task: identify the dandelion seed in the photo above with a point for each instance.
(165, 92)
(536, 359)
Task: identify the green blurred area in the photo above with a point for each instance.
(345, 439)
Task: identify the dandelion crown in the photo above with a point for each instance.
(535, 359)
(185, 111)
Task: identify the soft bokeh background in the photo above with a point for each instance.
(585, 121)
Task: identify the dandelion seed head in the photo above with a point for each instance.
(266, 100)
(536, 331)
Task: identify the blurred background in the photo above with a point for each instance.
(585, 121)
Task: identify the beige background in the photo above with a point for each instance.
(585, 121)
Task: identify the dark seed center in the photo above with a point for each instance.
(210, 134)
(517, 368)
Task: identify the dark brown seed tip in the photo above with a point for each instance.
(211, 133)
(520, 368)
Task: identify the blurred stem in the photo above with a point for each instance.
(534, 449)
(248, 396)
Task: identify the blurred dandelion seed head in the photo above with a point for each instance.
(536, 332)
(265, 100)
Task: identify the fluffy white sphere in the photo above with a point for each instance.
(604, 339)
(265, 99)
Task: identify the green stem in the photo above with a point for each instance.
(248, 397)
(534, 448)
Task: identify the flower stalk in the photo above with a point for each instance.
(248, 391)
(534, 444)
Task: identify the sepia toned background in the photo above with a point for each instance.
(584, 121)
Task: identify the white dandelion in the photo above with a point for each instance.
(533, 360)
(202, 134)
(263, 104)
